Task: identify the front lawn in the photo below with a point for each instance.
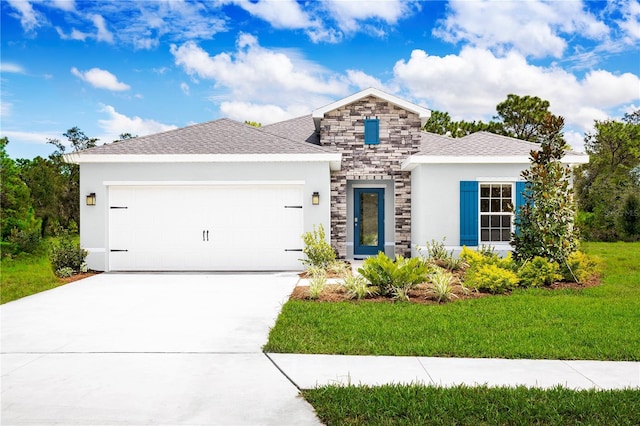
(26, 275)
(424, 405)
(593, 323)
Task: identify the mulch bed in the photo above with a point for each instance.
(421, 293)
(79, 276)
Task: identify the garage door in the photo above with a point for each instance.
(205, 228)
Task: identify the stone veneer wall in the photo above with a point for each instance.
(399, 137)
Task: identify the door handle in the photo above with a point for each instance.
(203, 235)
(207, 235)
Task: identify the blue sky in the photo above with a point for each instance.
(142, 67)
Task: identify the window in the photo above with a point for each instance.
(496, 212)
(371, 131)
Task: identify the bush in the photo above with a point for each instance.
(490, 277)
(442, 285)
(487, 257)
(65, 272)
(357, 287)
(67, 253)
(24, 240)
(317, 250)
(317, 282)
(538, 271)
(339, 268)
(470, 256)
(394, 277)
(436, 251)
(629, 218)
(580, 267)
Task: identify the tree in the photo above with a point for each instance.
(527, 118)
(125, 136)
(19, 228)
(253, 123)
(545, 223)
(610, 177)
(440, 123)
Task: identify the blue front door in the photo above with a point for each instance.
(368, 221)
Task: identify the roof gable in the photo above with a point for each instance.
(422, 112)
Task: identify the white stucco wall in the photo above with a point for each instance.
(435, 198)
(95, 176)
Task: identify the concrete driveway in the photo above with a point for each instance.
(137, 349)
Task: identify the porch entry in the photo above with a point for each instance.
(368, 221)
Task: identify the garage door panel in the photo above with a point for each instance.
(206, 228)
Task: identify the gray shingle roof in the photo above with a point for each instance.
(476, 144)
(299, 129)
(223, 136)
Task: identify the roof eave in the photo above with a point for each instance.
(415, 160)
(334, 159)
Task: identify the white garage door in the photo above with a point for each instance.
(205, 228)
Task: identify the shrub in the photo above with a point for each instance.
(24, 240)
(487, 256)
(454, 263)
(580, 267)
(436, 250)
(538, 271)
(317, 282)
(442, 285)
(339, 268)
(65, 272)
(389, 275)
(67, 253)
(357, 287)
(629, 218)
(317, 250)
(470, 256)
(490, 277)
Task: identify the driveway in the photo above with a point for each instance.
(130, 349)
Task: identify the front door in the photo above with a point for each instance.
(368, 220)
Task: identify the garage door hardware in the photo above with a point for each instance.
(118, 207)
(205, 234)
(292, 207)
(292, 249)
(115, 250)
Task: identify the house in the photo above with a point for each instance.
(223, 195)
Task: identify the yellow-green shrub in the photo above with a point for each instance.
(538, 271)
(580, 267)
(470, 256)
(490, 277)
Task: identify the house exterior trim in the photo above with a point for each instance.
(413, 161)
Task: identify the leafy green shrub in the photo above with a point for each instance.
(65, 272)
(490, 277)
(317, 282)
(357, 287)
(580, 267)
(67, 253)
(24, 240)
(339, 268)
(390, 276)
(318, 251)
(436, 250)
(538, 272)
(442, 285)
(628, 222)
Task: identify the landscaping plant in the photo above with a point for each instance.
(538, 272)
(442, 284)
(317, 281)
(66, 253)
(394, 277)
(317, 250)
(357, 287)
(580, 267)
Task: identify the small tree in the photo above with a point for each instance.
(629, 218)
(545, 223)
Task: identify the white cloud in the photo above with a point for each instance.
(575, 140)
(5, 109)
(29, 18)
(630, 22)
(66, 5)
(103, 32)
(10, 67)
(471, 84)
(533, 28)
(349, 14)
(261, 113)
(118, 123)
(38, 138)
(259, 75)
(280, 14)
(362, 80)
(74, 35)
(100, 79)
(185, 88)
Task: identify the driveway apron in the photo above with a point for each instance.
(175, 349)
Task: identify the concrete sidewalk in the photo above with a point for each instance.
(310, 371)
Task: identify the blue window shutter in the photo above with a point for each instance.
(371, 131)
(521, 187)
(469, 213)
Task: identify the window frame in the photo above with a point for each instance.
(511, 212)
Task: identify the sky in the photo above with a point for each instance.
(142, 67)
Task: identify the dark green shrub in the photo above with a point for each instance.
(629, 217)
(318, 251)
(65, 272)
(394, 277)
(538, 272)
(66, 253)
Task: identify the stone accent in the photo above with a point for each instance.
(400, 137)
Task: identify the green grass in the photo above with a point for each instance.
(26, 275)
(422, 405)
(595, 323)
